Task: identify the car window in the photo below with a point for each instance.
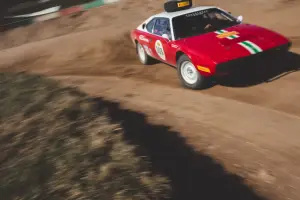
(201, 22)
(162, 26)
(150, 25)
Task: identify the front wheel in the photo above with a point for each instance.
(189, 75)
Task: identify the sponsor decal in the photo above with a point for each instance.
(196, 13)
(250, 46)
(225, 34)
(148, 50)
(160, 50)
(143, 38)
(182, 4)
(174, 46)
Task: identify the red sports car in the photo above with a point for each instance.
(202, 42)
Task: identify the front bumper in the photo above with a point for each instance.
(250, 61)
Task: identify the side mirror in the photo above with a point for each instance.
(143, 26)
(166, 37)
(240, 18)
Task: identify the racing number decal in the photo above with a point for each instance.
(159, 49)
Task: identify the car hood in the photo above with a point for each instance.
(225, 49)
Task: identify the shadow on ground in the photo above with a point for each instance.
(192, 175)
(262, 71)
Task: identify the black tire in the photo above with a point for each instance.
(201, 81)
(147, 59)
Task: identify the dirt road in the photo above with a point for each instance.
(250, 123)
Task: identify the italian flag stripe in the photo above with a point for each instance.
(224, 31)
(220, 31)
(250, 46)
(233, 37)
(254, 45)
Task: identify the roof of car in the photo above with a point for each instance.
(182, 12)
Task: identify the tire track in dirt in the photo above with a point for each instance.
(255, 132)
(116, 56)
(275, 78)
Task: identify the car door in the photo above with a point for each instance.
(154, 44)
(160, 46)
(145, 37)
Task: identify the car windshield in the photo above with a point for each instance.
(200, 22)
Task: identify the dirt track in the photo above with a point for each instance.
(252, 126)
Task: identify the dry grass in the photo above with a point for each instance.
(56, 144)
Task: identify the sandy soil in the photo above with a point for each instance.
(249, 122)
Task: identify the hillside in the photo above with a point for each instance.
(58, 143)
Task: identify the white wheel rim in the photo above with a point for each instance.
(189, 72)
(141, 53)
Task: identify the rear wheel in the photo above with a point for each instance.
(189, 75)
(143, 56)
